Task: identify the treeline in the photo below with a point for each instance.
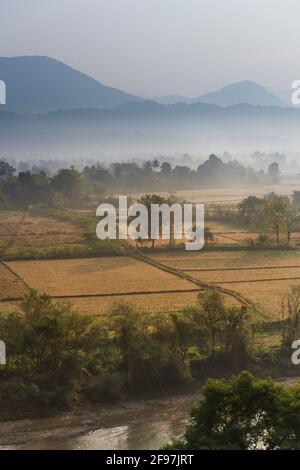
(71, 188)
(243, 413)
(274, 217)
(57, 357)
(157, 176)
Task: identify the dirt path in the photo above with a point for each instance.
(183, 275)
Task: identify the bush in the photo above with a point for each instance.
(242, 414)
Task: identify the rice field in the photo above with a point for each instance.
(10, 285)
(228, 195)
(24, 231)
(148, 302)
(93, 284)
(97, 276)
(262, 276)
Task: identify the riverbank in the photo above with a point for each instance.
(131, 425)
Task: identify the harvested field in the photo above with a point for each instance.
(231, 259)
(148, 302)
(234, 238)
(75, 277)
(267, 295)
(231, 195)
(26, 231)
(100, 305)
(229, 276)
(10, 285)
(262, 276)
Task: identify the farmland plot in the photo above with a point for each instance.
(262, 276)
(10, 285)
(26, 231)
(97, 276)
(148, 302)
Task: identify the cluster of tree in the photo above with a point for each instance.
(71, 188)
(56, 355)
(272, 214)
(153, 175)
(244, 413)
(66, 188)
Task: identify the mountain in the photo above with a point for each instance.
(136, 128)
(171, 99)
(37, 84)
(242, 92)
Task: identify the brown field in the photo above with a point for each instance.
(266, 295)
(94, 276)
(100, 305)
(247, 275)
(148, 302)
(232, 195)
(262, 276)
(19, 231)
(10, 285)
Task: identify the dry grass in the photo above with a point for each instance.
(96, 276)
(267, 295)
(10, 285)
(245, 275)
(262, 276)
(232, 195)
(34, 231)
(148, 302)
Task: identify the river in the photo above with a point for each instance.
(132, 425)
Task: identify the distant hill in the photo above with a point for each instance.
(242, 92)
(37, 84)
(139, 127)
(171, 99)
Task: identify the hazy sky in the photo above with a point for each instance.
(157, 47)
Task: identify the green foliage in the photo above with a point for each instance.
(71, 188)
(244, 413)
(56, 356)
(290, 318)
(271, 214)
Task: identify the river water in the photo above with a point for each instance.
(137, 425)
(134, 425)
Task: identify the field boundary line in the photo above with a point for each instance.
(239, 269)
(260, 280)
(15, 274)
(113, 294)
(203, 285)
(15, 235)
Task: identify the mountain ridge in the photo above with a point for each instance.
(243, 92)
(41, 84)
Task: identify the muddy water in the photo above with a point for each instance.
(132, 425)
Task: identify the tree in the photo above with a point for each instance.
(250, 209)
(290, 318)
(147, 201)
(291, 221)
(274, 213)
(296, 198)
(212, 310)
(165, 169)
(244, 413)
(68, 182)
(6, 171)
(274, 172)
(155, 164)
